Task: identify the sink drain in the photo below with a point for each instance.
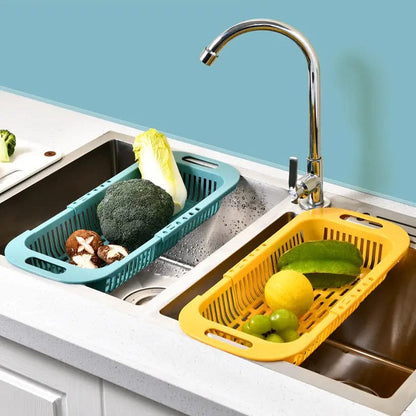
(142, 296)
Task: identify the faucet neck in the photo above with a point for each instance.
(211, 53)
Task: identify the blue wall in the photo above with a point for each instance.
(138, 61)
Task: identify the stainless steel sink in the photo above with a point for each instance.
(375, 347)
(36, 200)
(30, 204)
(369, 359)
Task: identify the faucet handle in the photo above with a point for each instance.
(293, 172)
(293, 179)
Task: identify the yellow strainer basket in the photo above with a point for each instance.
(217, 316)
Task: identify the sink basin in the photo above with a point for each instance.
(58, 186)
(370, 358)
(375, 347)
(97, 162)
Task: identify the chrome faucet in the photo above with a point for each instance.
(308, 190)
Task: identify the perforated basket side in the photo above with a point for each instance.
(184, 224)
(199, 186)
(42, 251)
(127, 269)
(206, 186)
(50, 238)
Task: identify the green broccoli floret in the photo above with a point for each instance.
(7, 145)
(132, 211)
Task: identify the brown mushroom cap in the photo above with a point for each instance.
(83, 242)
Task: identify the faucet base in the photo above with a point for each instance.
(306, 204)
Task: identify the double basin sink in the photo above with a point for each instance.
(369, 359)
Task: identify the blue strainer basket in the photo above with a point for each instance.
(42, 250)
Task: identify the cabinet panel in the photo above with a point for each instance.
(20, 396)
(119, 401)
(56, 388)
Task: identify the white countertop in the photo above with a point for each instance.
(119, 342)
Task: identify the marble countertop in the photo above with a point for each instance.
(117, 341)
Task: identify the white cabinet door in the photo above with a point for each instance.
(32, 384)
(20, 396)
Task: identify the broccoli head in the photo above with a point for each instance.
(7, 145)
(132, 211)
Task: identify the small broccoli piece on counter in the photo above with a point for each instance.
(7, 145)
(132, 211)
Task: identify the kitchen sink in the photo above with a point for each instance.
(30, 204)
(25, 207)
(369, 359)
(375, 347)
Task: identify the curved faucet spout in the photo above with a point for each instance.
(314, 161)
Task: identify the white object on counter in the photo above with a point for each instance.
(29, 158)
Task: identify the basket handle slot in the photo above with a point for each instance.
(45, 265)
(227, 176)
(231, 340)
(365, 222)
(200, 162)
(18, 254)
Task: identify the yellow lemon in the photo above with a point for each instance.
(289, 289)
